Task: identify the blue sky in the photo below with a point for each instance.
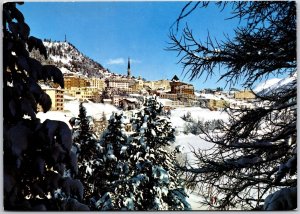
(110, 32)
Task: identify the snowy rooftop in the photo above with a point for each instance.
(210, 96)
(65, 70)
(135, 95)
(164, 101)
(134, 100)
(197, 94)
(68, 97)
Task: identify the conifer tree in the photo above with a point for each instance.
(85, 146)
(253, 163)
(38, 161)
(155, 134)
(140, 173)
(113, 147)
(81, 126)
(85, 130)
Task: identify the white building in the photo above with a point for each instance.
(120, 83)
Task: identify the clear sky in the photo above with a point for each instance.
(110, 32)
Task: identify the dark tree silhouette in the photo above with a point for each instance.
(85, 145)
(37, 157)
(256, 153)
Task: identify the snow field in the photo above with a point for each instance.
(72, 110)
(190, 142)
(92, 109)
(197, 113)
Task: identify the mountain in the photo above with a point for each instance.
(265, 85)
(275, 84)
(70, 60)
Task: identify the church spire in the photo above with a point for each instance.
(128, 68)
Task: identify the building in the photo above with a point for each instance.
(181, 88)
(137, 85)
(214, 104)
(158, 85)
(116, 99)
(107, 101)
(171, 104)
(71, 80)
(178, 87)
(118, 83)
(244, 95)
(57, 98)
(97, 83)
(180, 91)
(162, 85)
(129, 103)
(83, 93)
(173, 97)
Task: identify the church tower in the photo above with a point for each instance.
(128, 68)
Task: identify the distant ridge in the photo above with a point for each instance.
(270, 86)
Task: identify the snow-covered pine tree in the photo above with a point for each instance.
(154, 135)
(111, 167)
(82, 131)
(36, 155)
(85, 129)
(85, 146)
(144, 177)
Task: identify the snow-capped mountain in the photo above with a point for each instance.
(70, 60)
(275, 84)
(265, 85)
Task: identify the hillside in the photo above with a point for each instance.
(270, 86)
(70, 60)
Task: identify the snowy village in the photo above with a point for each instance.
(79, 136)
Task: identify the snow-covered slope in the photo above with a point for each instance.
(265, 85)
(189, 143)
(275, 84)
(72, 110)
(67, 56)
(92, 109)
(197, 113)
(70, 60)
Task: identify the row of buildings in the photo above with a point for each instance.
(128, 92)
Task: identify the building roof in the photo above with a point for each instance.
(175, 78)
(133, 100)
